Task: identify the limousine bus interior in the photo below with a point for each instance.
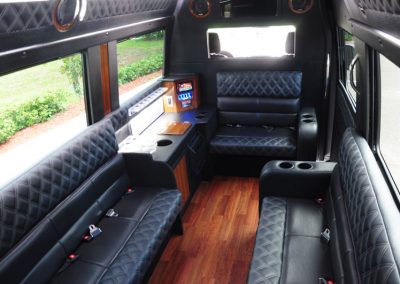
(199, 141)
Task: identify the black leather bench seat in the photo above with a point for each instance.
(45, 215)
(255, 141)
(288, 247)
(358, 209)
(267, 106)
(128, 243)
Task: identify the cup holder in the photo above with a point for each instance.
(307, 116)
(286, 165)
(305, 166)
(308, 120)
(164, 142)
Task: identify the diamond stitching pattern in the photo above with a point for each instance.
(142, 246)
(270, 84)
(245, 145)
(390, 7)
(24, 16)
(24, 202)
(267, 259)
(98, 9)
(372, 248)
(17, 17)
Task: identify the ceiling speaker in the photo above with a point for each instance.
(300, 6)
(200, 8)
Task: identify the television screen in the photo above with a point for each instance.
(185, 86)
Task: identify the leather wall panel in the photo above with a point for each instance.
(390, 7)
(373, 251)
(267, 84)
(25, 201)
(27, 16)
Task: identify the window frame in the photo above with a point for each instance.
(376, 115)
(342, 71)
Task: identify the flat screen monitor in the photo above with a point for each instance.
(184, 87)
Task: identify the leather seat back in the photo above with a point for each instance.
(256, 98)
(363, 217)
(45, 212)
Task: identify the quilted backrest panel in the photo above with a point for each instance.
(264, 84)
(375, 252)
(25, 201)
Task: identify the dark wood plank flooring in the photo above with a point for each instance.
(220, 227)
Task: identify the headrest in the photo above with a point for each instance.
(214, 43)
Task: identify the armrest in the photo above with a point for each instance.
(307, 135)
(295, 179)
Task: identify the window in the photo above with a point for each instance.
(40, 109)
(389, 138)
(140, 61)
(349, 66)
(272, 41)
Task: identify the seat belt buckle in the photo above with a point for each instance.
(94, 232)
(111, 213)
(326, 235)
(322, 280)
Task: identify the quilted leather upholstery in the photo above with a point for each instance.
(390, 7)
(135, 258)
(270, 84)
(254, 99)
(375, 260)
(25, 16)
(25, 201)
(17, 17)
(266, 265)
(98, 9)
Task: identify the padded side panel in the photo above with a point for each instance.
(374, 252)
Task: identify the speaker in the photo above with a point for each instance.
(200, 8)
(300, 6)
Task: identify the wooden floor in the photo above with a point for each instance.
(220, 228)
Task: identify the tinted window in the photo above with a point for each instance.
(390, 118)
(40, 109)
(140, 61)
(273, 41)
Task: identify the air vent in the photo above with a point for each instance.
(200, 8)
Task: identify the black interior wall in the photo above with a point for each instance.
(189, 51)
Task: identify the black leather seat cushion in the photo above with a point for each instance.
(129, 242)
(288, 246)
(255, 141)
